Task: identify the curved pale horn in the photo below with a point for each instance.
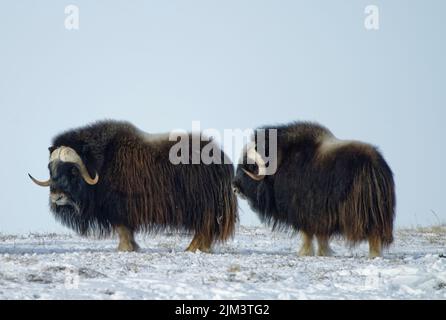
(67, 154)
(86, 176)
(253, 155)
(40, 183)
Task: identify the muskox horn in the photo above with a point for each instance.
(67, 154)
(86, 176)
(40, 183)
(253, 155)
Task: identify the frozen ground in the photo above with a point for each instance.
(256, 264)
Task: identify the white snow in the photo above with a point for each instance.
(256, 264)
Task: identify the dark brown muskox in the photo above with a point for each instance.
(323, 187)
(110, 176)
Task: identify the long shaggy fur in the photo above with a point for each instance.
(141, 189)
(324, 186)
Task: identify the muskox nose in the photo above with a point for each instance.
(236, 190)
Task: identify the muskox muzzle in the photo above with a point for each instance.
(68, 155)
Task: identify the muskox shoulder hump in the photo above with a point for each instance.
(329, 145)
(154, 137)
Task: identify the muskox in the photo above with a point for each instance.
(322, 187)
(111, 177)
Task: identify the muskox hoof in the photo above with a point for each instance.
(194, 248)
(306, 252)
(375, 254)
(205, 250)
(307, 245)
(375, 247)
(326, 252)
(128, 247)
(200, 242)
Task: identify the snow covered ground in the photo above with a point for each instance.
(256, 264)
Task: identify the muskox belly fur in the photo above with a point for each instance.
(323, 187)
(138, 188)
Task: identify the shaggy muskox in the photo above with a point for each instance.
(110, 176)
(322, 187)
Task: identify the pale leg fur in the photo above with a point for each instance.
(199, 242)
(324, 246)
(307, 246)
(375, 247)
(127, 241)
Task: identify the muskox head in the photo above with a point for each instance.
(251, 170)
(257, 169)
(69, 181)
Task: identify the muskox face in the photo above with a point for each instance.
(249, 173)
(70, 183)
(67, 190)
(243, 185)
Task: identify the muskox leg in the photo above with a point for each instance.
(307, 246)
(126, 239)
(200, 242)
(375, 246)
(323, 246)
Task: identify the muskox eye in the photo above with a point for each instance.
(74, 171)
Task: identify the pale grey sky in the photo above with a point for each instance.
(229, 64)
